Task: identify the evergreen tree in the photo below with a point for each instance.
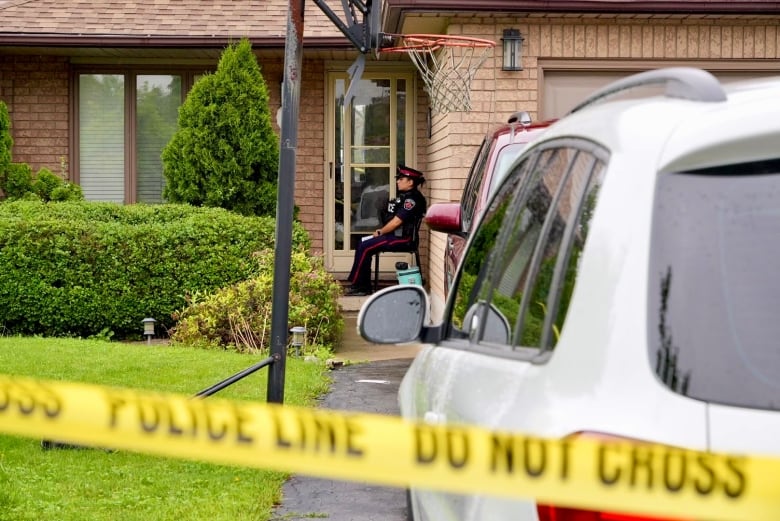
(225, 152)
(6, 141)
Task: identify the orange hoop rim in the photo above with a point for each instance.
(434, 42)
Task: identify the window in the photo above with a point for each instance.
(102, 136)
(713, 285)
(474, 183)
(124, 121)
(519, 271)
(157, 103)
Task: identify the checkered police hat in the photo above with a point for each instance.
(411, 173)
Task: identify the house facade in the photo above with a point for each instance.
(93, 87)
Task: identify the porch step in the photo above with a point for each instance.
(351, 305)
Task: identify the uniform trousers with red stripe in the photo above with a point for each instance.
(360, 276)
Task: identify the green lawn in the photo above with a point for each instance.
(93, 484)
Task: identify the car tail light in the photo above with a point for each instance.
(555, 513)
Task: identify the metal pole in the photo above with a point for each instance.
(291, 94)
(236, 377)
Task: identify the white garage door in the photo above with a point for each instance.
(565, 89)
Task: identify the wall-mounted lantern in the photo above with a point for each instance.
(513, 50)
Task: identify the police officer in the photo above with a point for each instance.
(400, 221)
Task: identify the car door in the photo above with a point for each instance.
(507, 307)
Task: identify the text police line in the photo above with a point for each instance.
(577, 471)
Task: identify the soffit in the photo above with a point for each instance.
(433, 16)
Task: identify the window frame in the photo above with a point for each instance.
(130, 73)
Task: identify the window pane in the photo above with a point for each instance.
(370, 192)
(102, 137)
(371, 122)
(339, 87)
(525, 230)
(400, 138)
(473, 183)
(472, 289)
(158, 98)
(568, 263)
(714, 289)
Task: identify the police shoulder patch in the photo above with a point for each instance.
(409, 204)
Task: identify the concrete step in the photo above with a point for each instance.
(351, 304)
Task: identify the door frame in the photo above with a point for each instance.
(340, 261)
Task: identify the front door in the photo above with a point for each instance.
(368, 139)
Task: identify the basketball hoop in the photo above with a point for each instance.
(446, 63)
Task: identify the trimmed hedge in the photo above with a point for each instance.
(98, 269)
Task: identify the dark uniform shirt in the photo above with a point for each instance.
(410, 207)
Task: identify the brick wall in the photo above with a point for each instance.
(310, 157)
(35, 88)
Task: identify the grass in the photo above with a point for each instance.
(96, 485)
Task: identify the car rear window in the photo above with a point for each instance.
(714, 292)
(505, 158)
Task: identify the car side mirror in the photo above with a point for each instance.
(444, 217)
(496, 328)
(394, 315)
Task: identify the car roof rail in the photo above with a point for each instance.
(681, 82)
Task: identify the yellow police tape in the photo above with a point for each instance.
(386, 450)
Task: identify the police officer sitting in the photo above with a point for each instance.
(397, 232)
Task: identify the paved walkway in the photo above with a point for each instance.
(354, 349)
(367, 382)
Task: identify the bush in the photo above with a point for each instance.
(18, 181)
(67, 192)
(6, 142)
(225, 152)
(85, 269)
(238, 317)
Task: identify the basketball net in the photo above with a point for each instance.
(447, 65)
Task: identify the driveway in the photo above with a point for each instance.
(367, 387)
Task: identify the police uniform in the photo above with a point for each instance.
(409, 206)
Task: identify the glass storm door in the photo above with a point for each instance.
(369, 138)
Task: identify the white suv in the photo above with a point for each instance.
(622, 282)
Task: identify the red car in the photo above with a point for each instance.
(496, 154)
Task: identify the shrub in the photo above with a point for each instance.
(225, 152)
(18, 181)
(45, 182)
(85, 269)
(67, 192)
(238, 317)
(6, 142)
